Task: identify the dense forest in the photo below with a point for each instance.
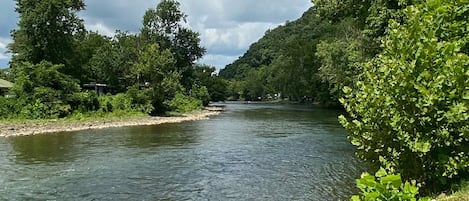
(152, 71)
(399, 68)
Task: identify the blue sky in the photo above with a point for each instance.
(227, 27)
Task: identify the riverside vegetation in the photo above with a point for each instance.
(151, 72)
(399, 68)
(401, 71)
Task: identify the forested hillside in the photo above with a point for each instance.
(399, 68)
(314, 57)
(282, 63)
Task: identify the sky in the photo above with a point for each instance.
(227, 27)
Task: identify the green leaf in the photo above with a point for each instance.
(355, 198)
(372, 196)
(394, 180)
(381, 173)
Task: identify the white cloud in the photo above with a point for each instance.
(227, 27)
(217, 60)
(100, 28)
(4, 57)
(236, 38)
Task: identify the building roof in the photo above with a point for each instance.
(5, 84)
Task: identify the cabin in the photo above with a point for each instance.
(99, 88)
(5, 87)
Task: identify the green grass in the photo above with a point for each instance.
(461, 195)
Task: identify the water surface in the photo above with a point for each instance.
(249, 152)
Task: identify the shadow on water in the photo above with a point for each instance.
(160, 135)
(43, 148)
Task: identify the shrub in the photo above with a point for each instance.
(385, 187)
(409, 112)
(118, 102)
(141, 99)
(84, 101)
(183, 103)
(201, 93)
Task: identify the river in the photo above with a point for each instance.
(249, 152)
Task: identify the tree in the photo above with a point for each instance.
(409, 110)
(46, 33)
(155, 69)
(163, 26)
(216, 86)
(42, 91)
(341, 57)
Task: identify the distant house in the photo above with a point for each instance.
(5, 87)
(99, 88)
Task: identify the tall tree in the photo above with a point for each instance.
(46, 32)
(164, 26)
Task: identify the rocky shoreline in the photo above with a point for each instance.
(29, 128)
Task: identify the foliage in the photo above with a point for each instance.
(44, 74)
(409, 110)
(183, 103)
(53, 55)
(164, 26)
(5, 74)
(283, 62)
(111, 103)
(201, 93)
(141, 99)
(154, 68)
(460, 193)
(341, 57)
(46, 32)
(84, 101)
(216, 86)
(384, 186)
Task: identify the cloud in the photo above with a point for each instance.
(217, 60)
(123, 15)
(100, 28)
(233, 40)
(227, 27)
(4, 57)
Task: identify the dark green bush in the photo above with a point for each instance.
(118, 102)
(84, 101)
(141, 99)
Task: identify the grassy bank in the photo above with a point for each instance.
(461, 195)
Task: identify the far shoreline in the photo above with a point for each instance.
(47, 127)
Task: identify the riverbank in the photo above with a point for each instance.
(54, 126)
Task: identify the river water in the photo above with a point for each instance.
(249, 152)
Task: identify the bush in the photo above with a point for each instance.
(118, 102)
(409, 112)
(10, 107)
(141, 99)
(183, 103)
(201, 93)
(84, 101)
(385, 187)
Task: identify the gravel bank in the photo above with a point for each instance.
(28, 128)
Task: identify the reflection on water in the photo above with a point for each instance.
(250, 152)
(42, 148)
